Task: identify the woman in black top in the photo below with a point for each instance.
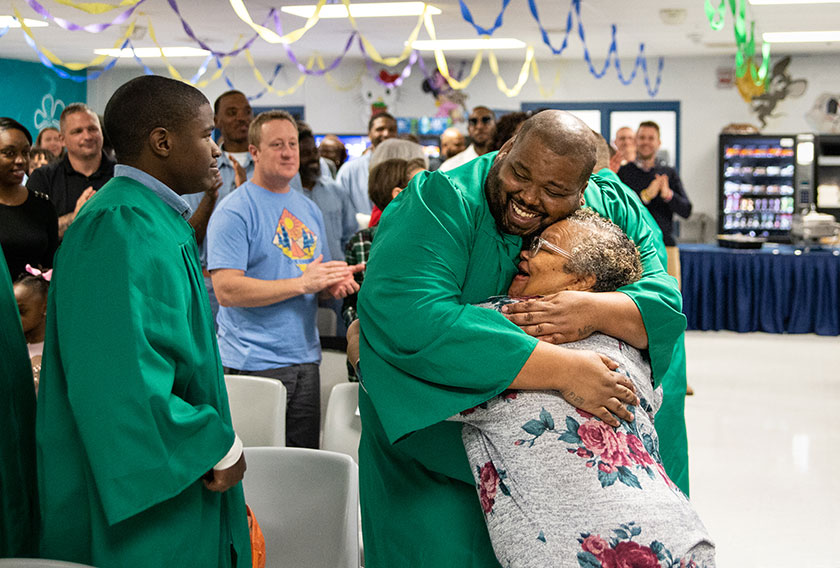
(28, 222)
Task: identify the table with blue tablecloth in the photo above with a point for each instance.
(775, 289)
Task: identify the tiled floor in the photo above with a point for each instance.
(764, 443)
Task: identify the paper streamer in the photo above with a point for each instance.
(745, 44)
(442, 65)
(97, 7)
(3, 31)
(467, 15)
(270, 36)
(56, 60)
(90, 28)
(91, 75)
(278, 26)
(267, 85)
(174, 72)
(400, 78)
(191, 34)
(409, 44)
(523, 73)
(544, 92)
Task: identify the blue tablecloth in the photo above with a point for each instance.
(776, 289)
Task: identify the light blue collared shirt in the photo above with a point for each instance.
(159, 188)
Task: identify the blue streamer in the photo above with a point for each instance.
(89, 76)
(3, 31)
(136, 57)
(467, 15)
(612, 57)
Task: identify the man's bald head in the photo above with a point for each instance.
(452, 142)
(603, 152)
(564, 134)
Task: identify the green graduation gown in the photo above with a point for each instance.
(670, 420)
(426, 354)
(132, 409)
(18, 488)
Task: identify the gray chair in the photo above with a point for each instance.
(258, 409)
(343, 426)
(306, 502)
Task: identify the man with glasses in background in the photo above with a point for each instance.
(482, 128)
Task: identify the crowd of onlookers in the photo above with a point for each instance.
(333, 210)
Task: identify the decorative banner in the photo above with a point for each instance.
(97, 7)
(440, 59)
(268, 35)
(90, 28)
(189, 31)
(57, 61)
(757, 81)
(467, 15)
(612, 53)
(545, 93)
(389, 82)
(91, 75)
(174, 72)
(278, 26)
(267, 85)
(523, 73)
(354, 84)
(409, 44)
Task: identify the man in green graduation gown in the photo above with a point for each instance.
(18, 489)
(138, 463)
(451, 240)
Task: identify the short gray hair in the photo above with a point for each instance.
(602, 250)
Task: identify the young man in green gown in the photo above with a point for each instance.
(451, 240)
(138, 463)
(18, 489)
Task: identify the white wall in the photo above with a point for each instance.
(692, 81)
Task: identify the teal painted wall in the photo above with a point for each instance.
(34, 95)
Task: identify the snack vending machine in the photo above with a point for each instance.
(756, 185)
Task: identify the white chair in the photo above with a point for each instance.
(343, 426)
(333, 371)
(306, 502)
(38, 563)
(258, 409)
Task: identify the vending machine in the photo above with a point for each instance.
(756, 185)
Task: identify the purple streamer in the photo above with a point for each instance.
(278, 27)
(189, 31)
(399, 80)
(90, 28)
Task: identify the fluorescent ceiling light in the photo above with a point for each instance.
(11, 22)
(146, 52)
(800, 37)
(473, 44)
(362, 10)
(790, 2)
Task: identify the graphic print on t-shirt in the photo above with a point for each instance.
(295, 239)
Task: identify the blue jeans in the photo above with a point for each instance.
(303, 401)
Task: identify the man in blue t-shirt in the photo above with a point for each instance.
(269, 261)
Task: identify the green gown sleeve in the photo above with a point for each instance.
(426, 353)
(127, 357)
(656, 294)
(18, 487)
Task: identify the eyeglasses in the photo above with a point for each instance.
(484, 120)
(540, 242)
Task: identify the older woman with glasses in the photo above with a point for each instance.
(559, 487)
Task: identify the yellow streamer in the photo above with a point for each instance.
(319, 61)
(97, 7)
(174, 72)
(545, 93)
(270, 36)
(265, 83)
(409, 44)
(442, 66)
(72, 66)
(523, 73)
